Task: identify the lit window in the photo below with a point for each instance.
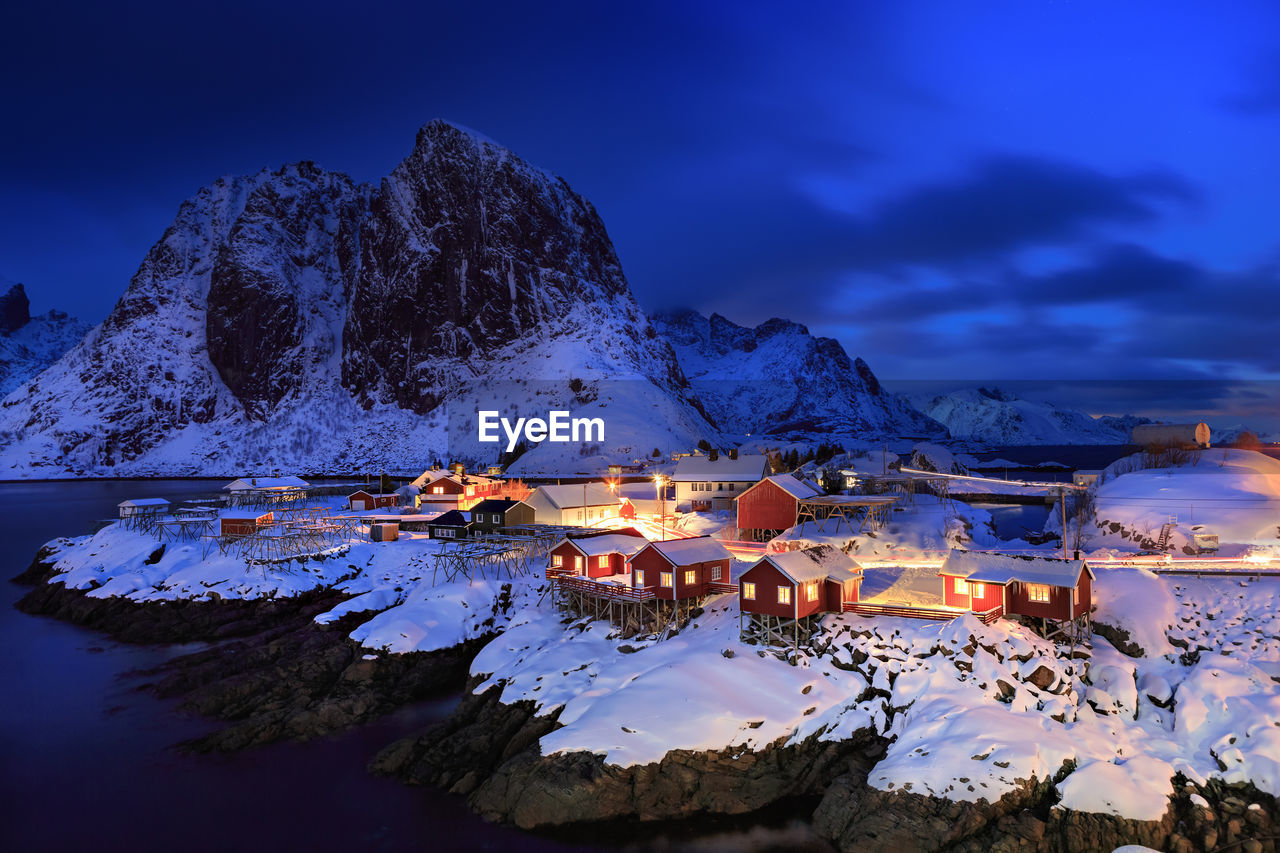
(1038, 592)
(471, 490)
(639, 577)
(811, 591)
(437, 490)
(577, 564)
(690, 577)
(975, 589)
(715, 573)
(666, 579)
(557, 560)
(784, 595)
(1075, 596)
(962, 586)
(602, 562)
(749, 591)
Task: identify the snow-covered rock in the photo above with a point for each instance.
(996, 417)
(29, 344)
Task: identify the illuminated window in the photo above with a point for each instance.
(557, 560)
(602, 562)
(577, 564)
(784, 595)
(975, 589)
(690, 577)
(1038, 592)
(639, 577)
(811, 591)
(665, 579)
(471, 490)
(749, 591)
(962, 586)
(437, 490)
(715, 573)
(1075, 596)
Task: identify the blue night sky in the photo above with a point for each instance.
(956, 191)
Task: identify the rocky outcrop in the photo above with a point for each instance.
(777, 378)
(29, 344)
(15, 309)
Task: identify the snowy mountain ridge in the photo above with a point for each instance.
(996, 417)
(30, 344)
(779, 379)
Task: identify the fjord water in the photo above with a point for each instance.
(87, 759)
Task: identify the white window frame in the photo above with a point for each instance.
(557, 560)
(811, 591)
(1039, 593)
(784, 594)
(577, 564)
(716, 572)
(749, 591)
(437, 490)
(691, 577)
(639, 575)
(665, 580)
(961, 586)
(977, 590)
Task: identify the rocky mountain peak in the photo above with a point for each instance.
(15, 310)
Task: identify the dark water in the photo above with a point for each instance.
(86, 760)
(1015, 521)
(1074, 456)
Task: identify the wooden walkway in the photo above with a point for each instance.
(936, 614)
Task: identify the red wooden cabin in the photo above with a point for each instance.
(363, 500)
(770, 506)
(243, 522)
(595, 555)
(680, 568)
(796, 584)
(1042, 587)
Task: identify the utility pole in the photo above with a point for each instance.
(1062, 501)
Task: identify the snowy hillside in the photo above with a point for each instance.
(296, 320)
(996, 417)
(30, 344)
(779, 379)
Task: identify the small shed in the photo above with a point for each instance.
(449, 525)
(362, 500)
(771, 506)
(384, 532)
(1086, 476)
(597, 554)
(680, 568)
(142, 507)
(243, 522)
(783, 594)
(1046, 588)
(494, 513)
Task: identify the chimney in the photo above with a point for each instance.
(714, 455)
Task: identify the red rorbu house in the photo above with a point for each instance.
(244, 522)
(456, 487)
(594, 555)
(1058, 592)
(363, 500)
(787, 593)
(771, 506)
(682, 568)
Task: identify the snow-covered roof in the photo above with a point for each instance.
(699, 549)
(137, 502)
(816, 563)
(988, 567)
(452, 518)
(745, 469)
(794, 486)
(432, 475)
(608, 543)
(245, 514)
(565, 497)
(495, 505)
(265, 483)
(375, 494)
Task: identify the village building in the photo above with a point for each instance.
(1085, 477)
(771, 506)
(1057, 592)
(579, 504)
(455, 488)
(449, 525)
(492, 514)
(679, 569)
(409, 496)
(239, 522)
(710, 483)
(595, 555)
(782, 596)
(361, 501)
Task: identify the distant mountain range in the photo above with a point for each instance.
(30, 344)
(995, 417)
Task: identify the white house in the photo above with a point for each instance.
(703, 483)
(247, 484)
(578, 503)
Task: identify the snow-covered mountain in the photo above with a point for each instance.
(296, 320)
(777, 378)
(30, 344)
(996, 417)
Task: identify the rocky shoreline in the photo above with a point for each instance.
(272, 673)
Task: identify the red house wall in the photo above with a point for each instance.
(243, 526)
(653, 564)
(381, 501)
(992, 596)
(766, 506)
(449, 486)
(355, 498)
(1061, 601)
(567, 552)
(834, 594)
(767, 580)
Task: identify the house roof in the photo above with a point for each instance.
(567, 497)
(452, 518)
(145, 502)
(988, 567)
(494, 505)
(374, 494)
(699, 549)
(612, 542)
(792, 485)
(745, 469)
(432, 475)
(816, 563)
(245, 514)
(266, 483)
